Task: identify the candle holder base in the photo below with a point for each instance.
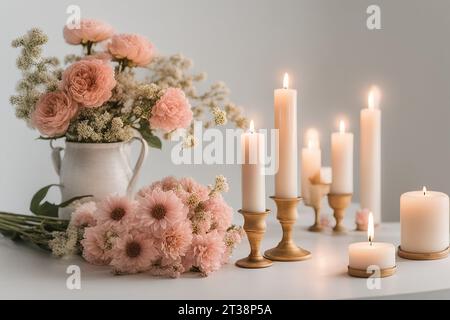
(287, 250)
(423, 256)
(318, 191)
(358, 273)
(339, 202)
(255, 227)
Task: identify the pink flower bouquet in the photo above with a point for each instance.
(97, 98)
(171, 227)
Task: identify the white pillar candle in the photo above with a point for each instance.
(342, 161)
(286, 178)
(364, 254)
(370, 156)
(326, 175)
(424, 219)
(253, 177)
(311, 164)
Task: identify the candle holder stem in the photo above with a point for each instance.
(287, 250)
(255, 227)
(318, 191)
(339, 204)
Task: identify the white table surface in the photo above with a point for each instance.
(29, 273)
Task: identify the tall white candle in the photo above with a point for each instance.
(424, 219)
(342, 161)
(286, 178)
(370, 156)
(362, 255)
(311, 164)
(253, 177)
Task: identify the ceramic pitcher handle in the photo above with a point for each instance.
(139, 163)
(56, 157)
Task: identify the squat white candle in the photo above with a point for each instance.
(362, 255)
(342, 161)
(370, 156)
(253, 177)
(286, 179)
(424, 219)
(311, 164)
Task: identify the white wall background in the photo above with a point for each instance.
(325, 46)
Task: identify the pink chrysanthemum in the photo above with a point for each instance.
(193, 187)
(115, 211)
(206, 252)
(133, 252)
(221, 212)
(84, 215)
(161, 209)
(175, 241)
(97, 244)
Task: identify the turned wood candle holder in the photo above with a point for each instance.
(358, 273)
(255, 227)
(287, 250)
(339, 203)
(317, 192)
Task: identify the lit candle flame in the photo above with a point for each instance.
(252, 126)
(424, 191)
(342, 126)
(373, 100)
(370, 228)
(286, 81)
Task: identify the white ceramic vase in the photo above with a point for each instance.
(97, 169)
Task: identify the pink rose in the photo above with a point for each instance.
(89, 82)
(53, 113)
(90, 30)
(132, 47)
(172, 111)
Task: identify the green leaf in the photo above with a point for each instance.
(147, 133)
(49, 209)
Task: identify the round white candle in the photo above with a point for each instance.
(253, 177)
(364, 254)
(311, 164)
(342, 161)
(286, 178)
(370, 156)
(424, 219)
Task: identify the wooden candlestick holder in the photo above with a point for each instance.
(317, 192)
(287, 250)
(339, 203)
(255, 227)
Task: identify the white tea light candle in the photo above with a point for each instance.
(286, 179)
(365, 255)
(424, 220)
(253, 177)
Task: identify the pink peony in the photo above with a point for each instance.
(161, 209)
(133, 252)
(90, 30)
(175, 241)
(133, 47)
(222, 213)
(83, 216)
(89, 82)
(53, 113)
(362, 219)
(97, 244)
(172, 111)
(206, 252)
(116, 211)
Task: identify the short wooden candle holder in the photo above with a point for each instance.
(255, 227)
(339, 203)
(287, 250)
(358, 273)
(318, 191)
(423, 256)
